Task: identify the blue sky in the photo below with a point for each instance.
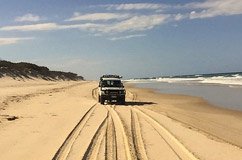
(133, 38)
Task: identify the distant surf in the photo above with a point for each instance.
(221, 89)
(230, 79)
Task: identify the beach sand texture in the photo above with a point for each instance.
(44, 120)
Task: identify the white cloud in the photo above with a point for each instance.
(135, 23)
(213, 8)
(180, 16)
(127, 37)
(28, 18)
(8, 41)
(85, 26)
(98, 16)
(205, 9)
(137, 6)
(128, 21)
(52, 26)
(33, 27)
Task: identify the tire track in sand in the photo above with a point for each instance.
(180, 150)
(94, 147)
(65, 148)
(95, 93)
(123, 148)
(137, 137)
(111, 141)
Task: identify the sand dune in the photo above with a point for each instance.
(62, 120)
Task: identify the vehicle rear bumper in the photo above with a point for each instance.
(113, 97)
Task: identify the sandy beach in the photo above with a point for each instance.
(44, 120)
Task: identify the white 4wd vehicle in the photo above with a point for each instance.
(111, 89)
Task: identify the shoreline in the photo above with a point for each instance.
(156, 91)
(217, 95)
(196, 113)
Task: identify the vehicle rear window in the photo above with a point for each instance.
(111, 83)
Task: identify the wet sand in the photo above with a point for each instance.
(197, 113)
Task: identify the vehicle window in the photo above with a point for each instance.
(111, 83)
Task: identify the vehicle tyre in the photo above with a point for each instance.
(102, 100)
(122, 100)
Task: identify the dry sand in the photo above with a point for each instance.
(62, 120)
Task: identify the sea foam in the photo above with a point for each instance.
(230, 79)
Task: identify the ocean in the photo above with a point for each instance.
(220, 89)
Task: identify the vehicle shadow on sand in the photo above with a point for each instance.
(132, 103)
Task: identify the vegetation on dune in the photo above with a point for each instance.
(28, 70)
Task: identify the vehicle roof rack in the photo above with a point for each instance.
(110, 76)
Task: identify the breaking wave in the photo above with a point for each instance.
(230, 79)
